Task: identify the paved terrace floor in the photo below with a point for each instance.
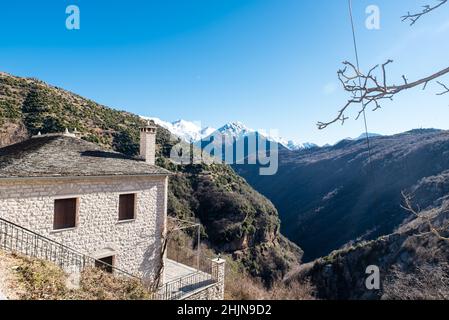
(183, 280)
(175, 270)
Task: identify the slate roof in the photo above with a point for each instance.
(65, 156)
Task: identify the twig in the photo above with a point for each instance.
(367, 90)
(408, 206)
(414, 17)
(446, 89)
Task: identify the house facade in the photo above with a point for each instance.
(102, 203)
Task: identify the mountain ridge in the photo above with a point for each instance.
(193, 132)
(329, 197)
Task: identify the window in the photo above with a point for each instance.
(65, 214)
(127, 207)
(106, 264)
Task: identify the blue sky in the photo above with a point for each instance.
(270, 64)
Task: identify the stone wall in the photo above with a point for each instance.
(208, 293)
(216, 290)
(136, 244)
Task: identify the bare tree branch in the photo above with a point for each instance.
(368, 90)
(413, 17)
(408, 206)
(446, 89)
(155, 284)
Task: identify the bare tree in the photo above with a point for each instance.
(155, 284)
(370, 89)
(416, 211)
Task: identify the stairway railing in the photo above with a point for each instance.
(180, 288)
(17, 239)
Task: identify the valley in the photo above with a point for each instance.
(335, 196)
(338, 195)
(321, 199)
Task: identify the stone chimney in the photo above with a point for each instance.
(148, 143)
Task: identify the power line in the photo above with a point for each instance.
(354, 39)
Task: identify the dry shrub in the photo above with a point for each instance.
(293, 290)
(239, 286)
(41, 280)
(427, 282)
(99, 285)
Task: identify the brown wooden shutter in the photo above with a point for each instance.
(65, 214)
(126, 206)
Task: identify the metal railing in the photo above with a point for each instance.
(180, 288)
(191, 259)
(202, 276)
(17, 239)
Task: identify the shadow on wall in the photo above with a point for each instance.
(151, 261)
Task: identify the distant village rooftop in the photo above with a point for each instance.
(64, 155)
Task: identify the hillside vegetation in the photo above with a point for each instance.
(413, 263)
(237, 220)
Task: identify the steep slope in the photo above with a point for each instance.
(330, 196)
(413, 261)
(230, 209)
(237, 219)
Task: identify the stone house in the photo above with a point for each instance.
(106, 205)
(102, 203)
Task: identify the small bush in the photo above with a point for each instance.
(42, 280)
(241, 286)
(98, 285)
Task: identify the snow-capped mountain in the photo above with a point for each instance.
(238, 130)
(193, 132)
(235, 129)
(291, 144)
(186, 130)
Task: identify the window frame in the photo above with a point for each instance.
(77, 208)
(134, 216)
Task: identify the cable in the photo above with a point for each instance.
(354, 39)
